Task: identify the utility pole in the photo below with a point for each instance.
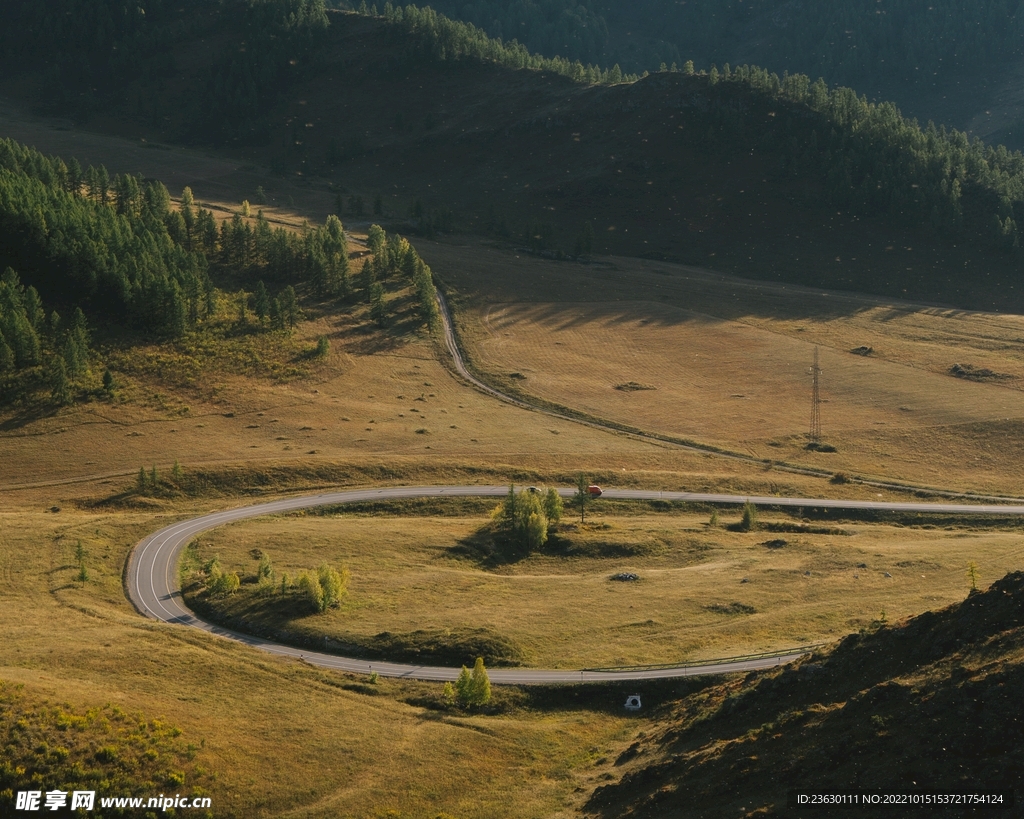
(815, 399)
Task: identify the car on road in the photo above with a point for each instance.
(595, 491)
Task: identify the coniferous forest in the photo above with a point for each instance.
(112, 251)
(115, 247)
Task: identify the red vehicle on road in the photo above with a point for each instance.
(595, 491)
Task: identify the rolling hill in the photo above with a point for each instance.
(918, 706)
(747, 172)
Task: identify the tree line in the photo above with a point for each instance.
(116, 250)
(871, 159)
(860, 43)
(85, 239)
(440, 38)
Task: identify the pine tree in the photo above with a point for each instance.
(74, 177)
(553, 506)
(464, 686)
(60, 386)
(378, 306)
(33, 308)
(261, 301)
(582, 496)
(479, 684)
(188, 215)
(290, 306)
(375, 238)
(367, 279)
(140, 481)
(74, 357)
(6, 356)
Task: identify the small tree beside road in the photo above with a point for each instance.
(473, 687)
(582, 496)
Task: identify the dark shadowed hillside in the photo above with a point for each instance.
(764, 176)
(930, 704)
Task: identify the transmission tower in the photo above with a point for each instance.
(815, 399)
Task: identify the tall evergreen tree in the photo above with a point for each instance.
(60, 386)
(261, 301)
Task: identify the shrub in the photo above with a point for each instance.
(220, 582)
(749, 521)
(265, 571)
(310, 588)
(448, 695)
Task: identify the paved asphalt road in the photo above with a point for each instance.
(153, 587)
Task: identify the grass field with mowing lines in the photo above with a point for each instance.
(703, 592)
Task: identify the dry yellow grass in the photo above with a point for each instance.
(729, 362)
(279, 738)
(411, 573)
(285, 740)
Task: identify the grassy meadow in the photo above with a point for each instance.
(257, 734)
(726, 362)
(703, 592)
(252, 416)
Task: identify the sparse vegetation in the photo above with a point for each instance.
(431, 586)
(849, 713)
(211, 321)
(748, 523)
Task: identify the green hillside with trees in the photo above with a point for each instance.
(111, 252)
(853, 179)
(955, 46)
(858, 43)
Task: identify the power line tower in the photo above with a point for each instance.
(815, 399)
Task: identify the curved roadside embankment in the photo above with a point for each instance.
(152, 580)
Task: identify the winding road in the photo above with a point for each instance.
(153, 585)
(152, 574)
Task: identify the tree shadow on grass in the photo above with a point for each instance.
(35, 411)
(488, 550)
